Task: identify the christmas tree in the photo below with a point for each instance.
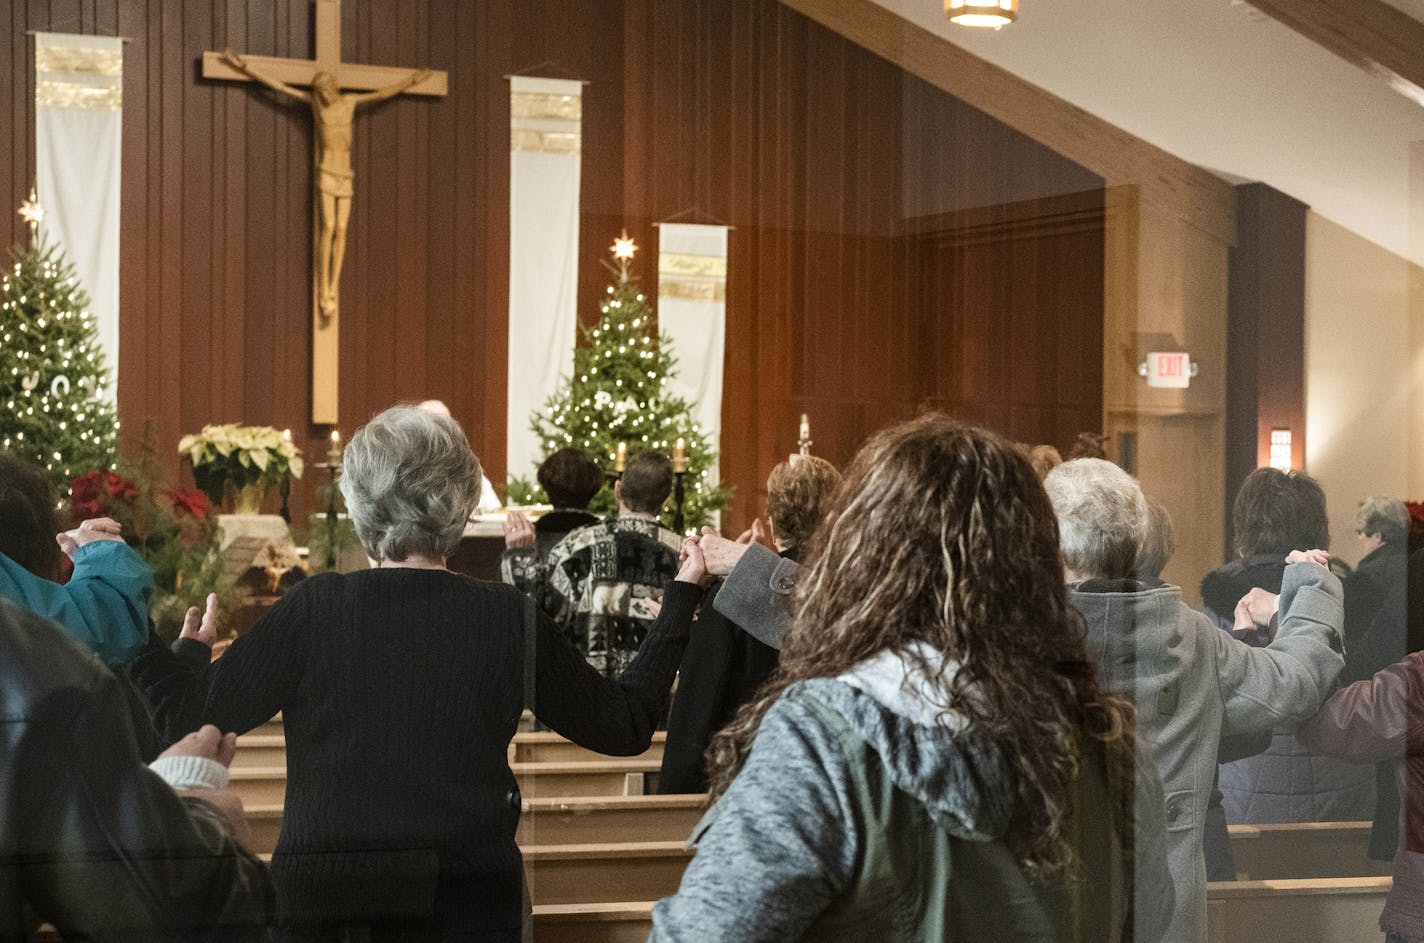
(53, 380)
(617, 394)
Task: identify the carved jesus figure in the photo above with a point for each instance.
(333, 113)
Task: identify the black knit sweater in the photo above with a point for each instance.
(400, 691)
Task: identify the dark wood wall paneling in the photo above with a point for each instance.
(866, 279)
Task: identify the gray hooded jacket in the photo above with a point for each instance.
(864, 812)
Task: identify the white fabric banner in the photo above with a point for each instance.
(78, 122)
(692, 314)
(544, 166)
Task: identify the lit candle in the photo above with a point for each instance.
(620, 458)
(679, 455)
(333, 455)
(805, 431)
(287, 434)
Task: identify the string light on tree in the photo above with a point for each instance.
(615, 395)
(52, 372)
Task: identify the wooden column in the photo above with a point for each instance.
(1265, 386)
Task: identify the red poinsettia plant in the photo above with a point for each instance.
(173, 529)
(104, 493)
(1416, 524)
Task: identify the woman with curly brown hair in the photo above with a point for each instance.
(933, 758)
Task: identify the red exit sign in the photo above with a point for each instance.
(1169, 369)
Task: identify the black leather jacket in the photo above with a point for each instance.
(91, 840)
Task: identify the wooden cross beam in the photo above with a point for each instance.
(332, 112)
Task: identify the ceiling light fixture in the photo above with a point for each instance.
(990, 13)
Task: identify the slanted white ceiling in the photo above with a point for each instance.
(1223, 86)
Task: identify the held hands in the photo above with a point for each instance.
(1256, 608)
(96, 528)
(233, 60)
(518, 531)
(719, 553)
(209, 743)
(202, 628)
(1318, 557)
(206, 742)
(694, 563)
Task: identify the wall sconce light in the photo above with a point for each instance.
(1281, 449)
(994, 14)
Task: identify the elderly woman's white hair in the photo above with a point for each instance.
(1102, 517)
(410, 481)
(1385, 516)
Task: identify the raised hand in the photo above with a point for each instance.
(96, 528)
(1318, 557)
(518, 531)
(754, 534)
(202, 627)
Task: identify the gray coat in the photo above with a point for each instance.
(1190, 681)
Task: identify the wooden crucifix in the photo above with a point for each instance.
(332, 112)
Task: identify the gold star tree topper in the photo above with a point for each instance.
(32, 213)
(623, 250)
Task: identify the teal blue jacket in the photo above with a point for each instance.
(104, 605)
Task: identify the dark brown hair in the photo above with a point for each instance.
(797, 495)
(941, 533)
(1277, 512)
(28, 517)
(570, 478)
(646, 482)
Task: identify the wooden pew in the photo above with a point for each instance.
(1317, 910)
(1327, 910)
(260, 750)
(593, 923)
(581, 820)
(558, 821)
(266, 746)
(548, 747)
(1304, 850)
(603, 777)
(605, 872)
(264, 785)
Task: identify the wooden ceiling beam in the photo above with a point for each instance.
(1373, 35)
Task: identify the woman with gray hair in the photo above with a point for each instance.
(401, 688)
(1189, 681)
(1372, 642)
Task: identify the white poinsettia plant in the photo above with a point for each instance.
(240, 455)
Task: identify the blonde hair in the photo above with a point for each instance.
(798, 493)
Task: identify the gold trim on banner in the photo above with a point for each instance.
(541, 105)
(690, 290)
(78, 60)
(704, 266)
(548, 142)
(74, 95)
